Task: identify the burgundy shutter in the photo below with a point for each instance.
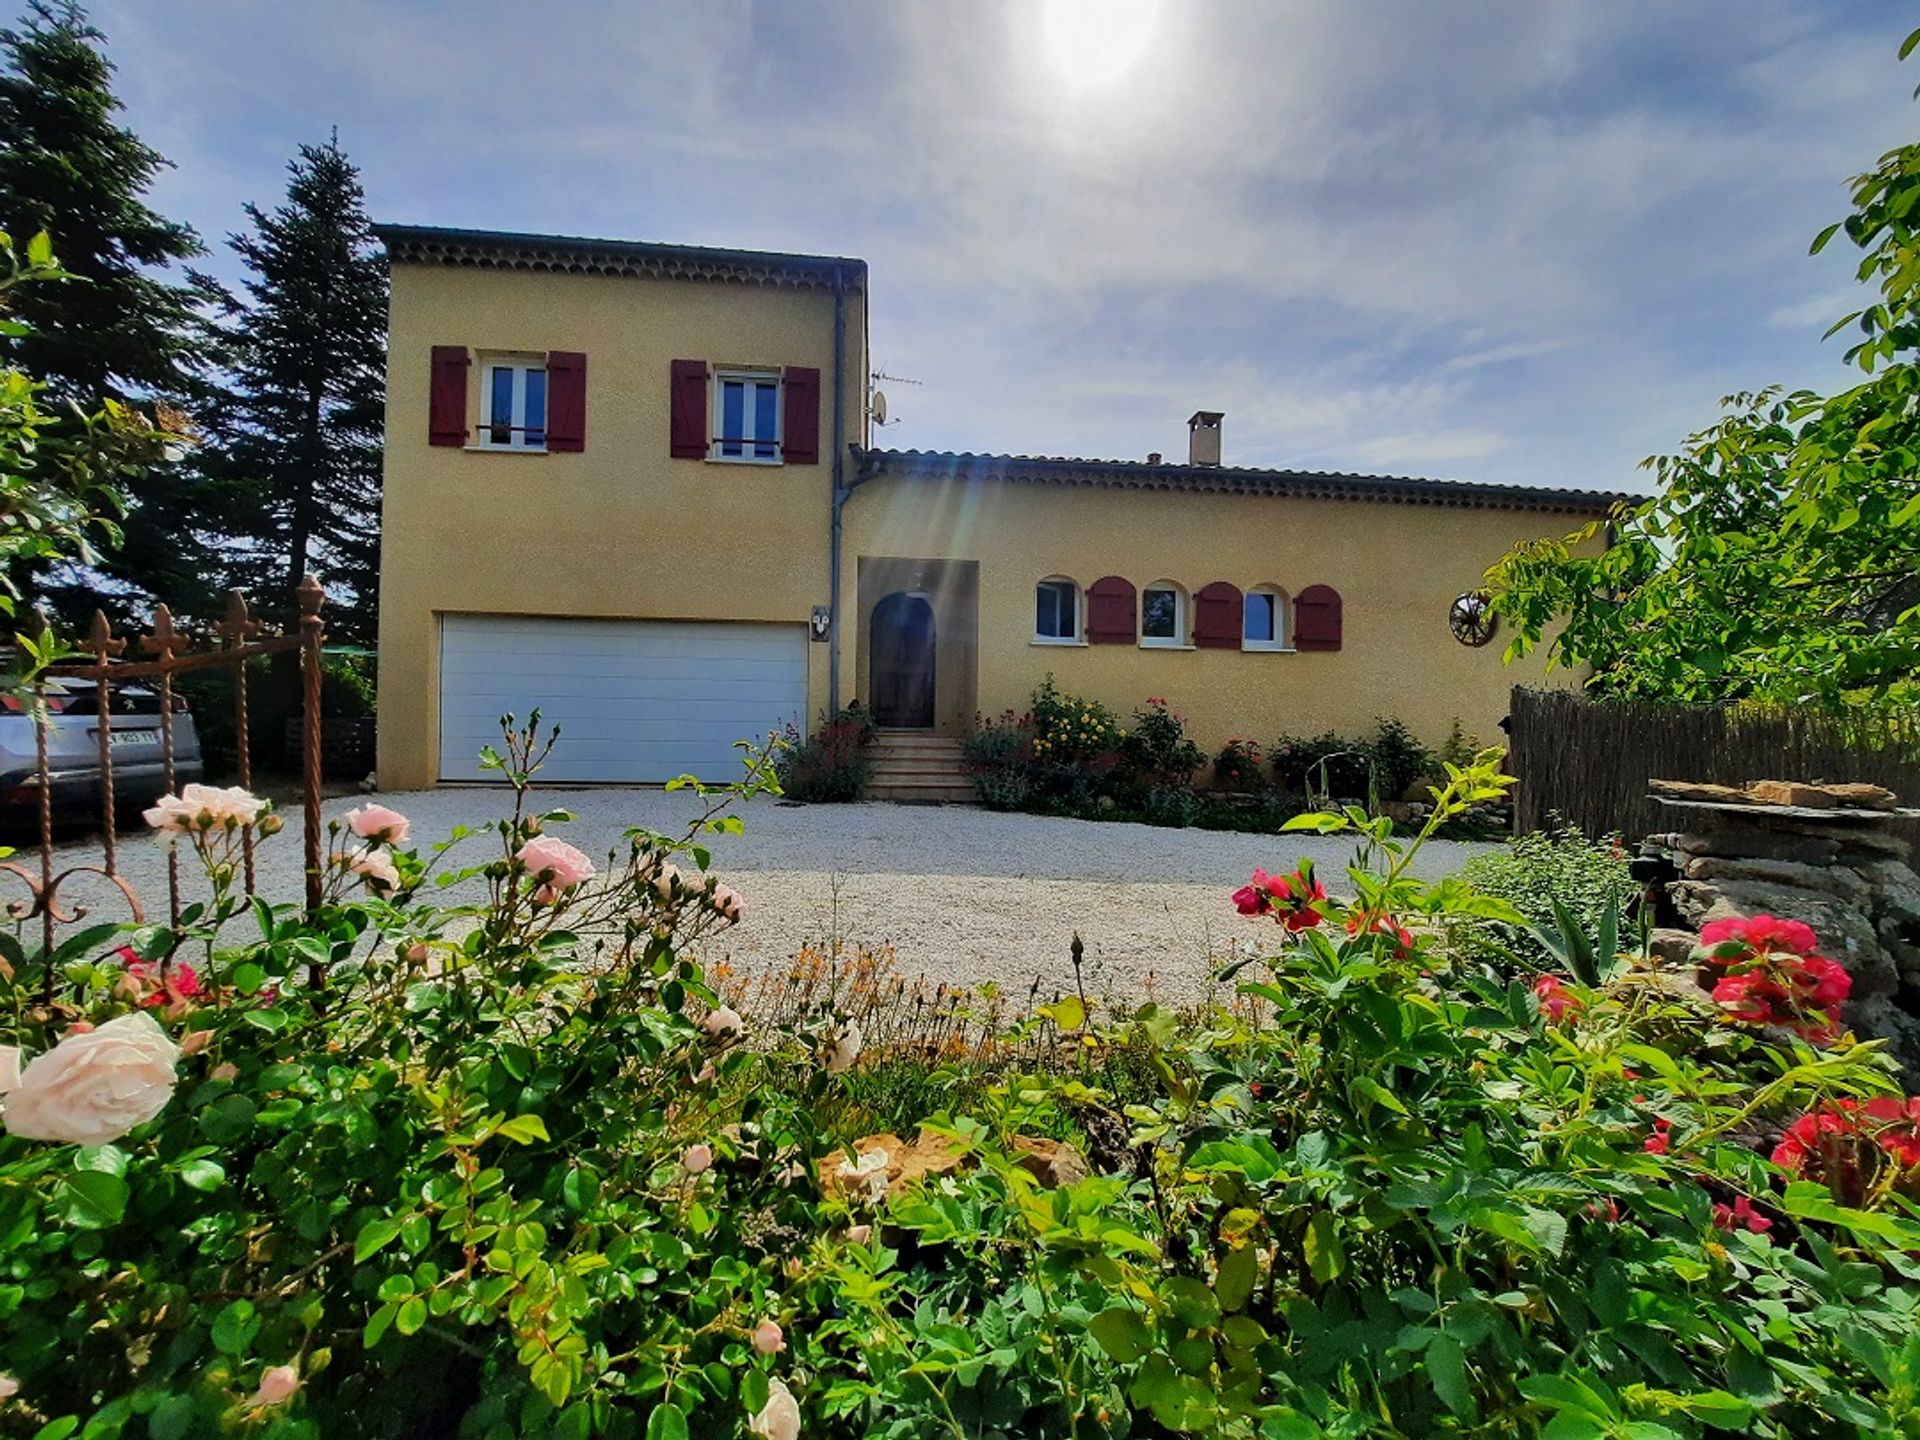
(566, 400)
(690, 437)
(447, 396)
(1217, 617)
(1111, 612)
(1316, 618)
(800, 414)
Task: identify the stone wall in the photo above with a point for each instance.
(1842, 873)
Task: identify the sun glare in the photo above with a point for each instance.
(1095, 42)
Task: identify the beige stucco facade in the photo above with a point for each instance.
(1397, 566)
(621, 530)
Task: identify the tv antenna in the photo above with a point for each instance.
(877, 398)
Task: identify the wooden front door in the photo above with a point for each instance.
(901, 661)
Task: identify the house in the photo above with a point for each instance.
(632, 484)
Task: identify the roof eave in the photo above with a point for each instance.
(575, 254)
(1207, 479)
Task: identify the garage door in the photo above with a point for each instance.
(635, 700)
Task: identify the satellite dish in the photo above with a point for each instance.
(879, 407)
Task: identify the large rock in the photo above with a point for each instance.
(1672, 948)
(1753, 843)
(1896, 890)
(1833, 880)
(1051, 1162)
(1851, 796)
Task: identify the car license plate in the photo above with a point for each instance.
(132, 737)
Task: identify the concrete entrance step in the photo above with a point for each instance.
(918, 767)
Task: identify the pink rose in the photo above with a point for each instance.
(698, 1159)
(9, 1387)
(278, 1384)
(226, 1072)
(376, 867)
(859, 1234)
(199, 808)
(779, 1418)
(556, 865)
(724, 1023)
(730, 906)
(768, 1338)
(379, 824)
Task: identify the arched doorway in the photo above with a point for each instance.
(900, 661)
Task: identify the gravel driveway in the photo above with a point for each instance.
(963, 895)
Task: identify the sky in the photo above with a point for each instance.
(1526, 241)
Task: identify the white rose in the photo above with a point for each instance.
(779, 1418)
(844, 1048)
(94, 1087)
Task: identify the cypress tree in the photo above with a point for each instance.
(294, 450)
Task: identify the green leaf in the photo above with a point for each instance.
(411, 1316)
(1325, 1256)
(1239, 1272)
(1122, 1333)
(668, 1422)
(754, 1390)
(1447, 1369)
(93, 1199)
(1192, 1302)
(524, 1129)
(40, 247)
(235, 1327)
(1373, 1090)
(202, 1174)
(374, 1237)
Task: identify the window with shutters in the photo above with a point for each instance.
(1163, 615)
(1264, 624)
(513, 405)
(1056, 619)
(746, 409)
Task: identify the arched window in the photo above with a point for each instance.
(1163, 615)
(1056, 612)
(1264, 622)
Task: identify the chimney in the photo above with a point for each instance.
(1203, 437)
(1153, 457)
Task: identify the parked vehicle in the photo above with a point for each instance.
(73, 750)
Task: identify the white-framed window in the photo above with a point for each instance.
(1264, 621)
(513, 405)
(746, 408)
(1163, 615)
(1056, 612)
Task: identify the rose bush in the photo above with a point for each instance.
(491, 1158)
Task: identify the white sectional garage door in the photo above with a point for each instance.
(637, 701)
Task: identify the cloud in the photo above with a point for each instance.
(1507, 239)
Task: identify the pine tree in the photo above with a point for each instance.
(294, 449)
(119, 330)
(66, 167)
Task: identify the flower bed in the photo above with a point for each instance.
(520, 1168)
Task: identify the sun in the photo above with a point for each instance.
(1095, 42)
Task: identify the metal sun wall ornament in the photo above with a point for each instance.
(1471, 618)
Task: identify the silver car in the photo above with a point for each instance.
(73, 750)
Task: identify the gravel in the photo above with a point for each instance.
(962, 895)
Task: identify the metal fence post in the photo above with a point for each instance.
(310, 597)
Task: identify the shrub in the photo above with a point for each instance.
(1076, 747)
(1326, 765)
(1530, 873)
(1381, 767)
(833, 763)
(1157, 753)
(513, 1167)
(1239, 766)
(1170, 806)
(1397, 759)
(999, 756)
